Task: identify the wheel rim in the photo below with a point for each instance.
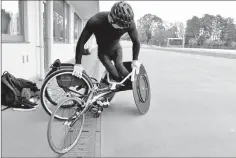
(45, 100)
(70, 138)
(142, 87)
(141, 91)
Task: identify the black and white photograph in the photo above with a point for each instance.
(118, 78)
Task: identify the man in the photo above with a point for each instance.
(108, 27)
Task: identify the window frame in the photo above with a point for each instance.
(65, 41)
(7, 38)
(78, 27)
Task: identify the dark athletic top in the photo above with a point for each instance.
(107, 37)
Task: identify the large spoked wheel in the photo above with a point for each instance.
(61, 85)
(63, 135)
(141, 91)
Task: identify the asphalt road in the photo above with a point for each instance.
(192, 113)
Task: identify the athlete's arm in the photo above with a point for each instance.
(133, 33)
(85, 35)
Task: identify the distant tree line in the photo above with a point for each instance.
(211, 31)
(208, 31)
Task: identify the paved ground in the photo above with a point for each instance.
(24, 134)
(192, 113)
(193, 110)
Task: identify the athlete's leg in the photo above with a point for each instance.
(106, 61)
(117, 58)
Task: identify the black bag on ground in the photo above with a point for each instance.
(11, 89)
(9, 93)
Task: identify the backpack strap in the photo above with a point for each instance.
(4, 80)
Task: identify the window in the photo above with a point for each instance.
(12, 19)
(77, 28)
(60, 21)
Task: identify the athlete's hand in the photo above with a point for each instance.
(78, 70)
(136, 64)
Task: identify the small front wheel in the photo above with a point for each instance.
(64, 134)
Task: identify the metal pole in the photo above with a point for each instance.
(41, 43)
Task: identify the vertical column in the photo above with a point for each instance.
(80, 26)
(41, 40)
(50, 30)
(36, 18)
(71, 25)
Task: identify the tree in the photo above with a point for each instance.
(211, 31)
(192, 42)
(147, 25)
(192, 28)
(180, 29)
(229, 31)
(161, 35)
(219, 27)
(207, 25)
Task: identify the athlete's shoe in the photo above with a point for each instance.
(24, 108)
(27, 105)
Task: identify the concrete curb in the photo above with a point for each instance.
(229, 54)
(222, 54)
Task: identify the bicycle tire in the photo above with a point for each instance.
(142, 91)
(49, 130)
(47, 95)
(85, 77)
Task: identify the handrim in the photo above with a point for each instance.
(54, 75)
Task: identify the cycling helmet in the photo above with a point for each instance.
(122, 14)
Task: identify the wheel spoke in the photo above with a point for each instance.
(71, 134)
(63, 140)
(60, 89)
(55, 93)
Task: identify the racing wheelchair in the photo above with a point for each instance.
(77, 96)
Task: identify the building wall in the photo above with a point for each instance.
(14, 55)
(64, 52)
